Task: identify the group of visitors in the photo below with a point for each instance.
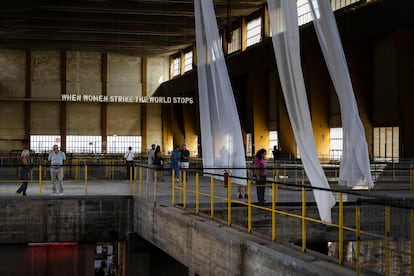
(179, 160)
(56, 158)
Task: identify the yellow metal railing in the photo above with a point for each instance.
(215, 193)
(341, 227)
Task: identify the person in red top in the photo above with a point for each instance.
(260, 174)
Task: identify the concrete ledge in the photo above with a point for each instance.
(209, 248)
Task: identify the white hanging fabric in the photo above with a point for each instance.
(284, 25)
(221, 135)
(355, 165)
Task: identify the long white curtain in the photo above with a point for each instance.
(355, 164)
(284, 23)
(221, 135)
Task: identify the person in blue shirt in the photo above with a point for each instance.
(57, 158)
(175, 162)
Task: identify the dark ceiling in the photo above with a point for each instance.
(136, 27)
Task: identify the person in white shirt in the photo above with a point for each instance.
(129, 157)
(56, 158)
(151, 157)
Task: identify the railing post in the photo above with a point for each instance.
(275, 188)
(173, 188)
(185, 190)
(211, 197)
(412, 182)
(140, 182)
(134, 190)
(40, 180)
(249, 206)
(358, 237)
(341, 229)
(387, 241)
(155, 190)
(228, 200)
(303, 219)
(131, 177)
(412, 241)
(86, 179)
(197, 187)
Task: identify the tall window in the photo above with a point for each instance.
(188, 61)
(254, 31)
(338, 4)
(44, 143)
(335, 143)
(235, 44)
(273, 141)
(83, 144)
(197, 152)
(386, 144)
(249, 144)
(120, 144)
(176, 66)
(304, 14)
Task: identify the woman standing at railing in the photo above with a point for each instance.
(159, 163)
(24, 170)
(260, 173)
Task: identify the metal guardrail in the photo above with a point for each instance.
(375, 236)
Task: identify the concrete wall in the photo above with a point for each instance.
(31, 84)
(80, 219)
(209, 248)
(204, 246)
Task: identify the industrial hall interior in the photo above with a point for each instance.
(207, 137)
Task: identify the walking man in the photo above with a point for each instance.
(57, 158)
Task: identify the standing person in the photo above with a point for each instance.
(151, 156)
(129, 157)
(159, 163)
(24, 170)
(175, 162)
(260, 174)
(57, 158)
(113, 267)
(185, 161)
(276, 153)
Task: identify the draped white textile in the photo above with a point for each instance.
(284, 23)
(221, 136)
(355, 164)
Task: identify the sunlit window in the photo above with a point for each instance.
(304, 14)
(120, 144)
(83, 144)
(176, 67)
(273, 142)
(254, 31)
(249, 144)
(386, 144)
(44, 143)
(338, 4)
(235, 44)
(335, 143)
(188, 61)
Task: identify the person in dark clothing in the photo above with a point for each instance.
(24, 170)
